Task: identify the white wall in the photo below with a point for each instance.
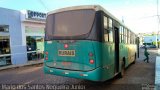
(150, 39)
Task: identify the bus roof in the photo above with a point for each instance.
(94, 7)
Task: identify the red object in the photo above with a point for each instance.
(91, 61)
(46, 53)
(65, 45)
(46, 58)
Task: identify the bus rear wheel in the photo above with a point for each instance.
(135, 57)
(121, 75)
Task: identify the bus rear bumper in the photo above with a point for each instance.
(94, 75)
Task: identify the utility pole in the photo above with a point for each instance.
(157, 23)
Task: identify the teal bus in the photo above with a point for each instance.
(87, 42)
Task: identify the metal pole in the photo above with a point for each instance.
(157, 24)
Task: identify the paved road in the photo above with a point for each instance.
(136, 76)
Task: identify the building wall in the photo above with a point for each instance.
(18, 48)
(150, 39)
(33, 28)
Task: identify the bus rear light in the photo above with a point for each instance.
(65, 45)
(46, 58)
(91, 61)
(46, 53)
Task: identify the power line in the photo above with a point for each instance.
(149, 16)
(42, 3)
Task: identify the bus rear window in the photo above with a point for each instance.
(70, 23)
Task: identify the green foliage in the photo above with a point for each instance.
(154, 43)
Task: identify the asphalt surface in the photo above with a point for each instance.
(138, 76)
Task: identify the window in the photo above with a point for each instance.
(4, 45)
(128, 32)
(110, 31)
(126, 38)
(105, 22)
(131, 38)
(5, 50)
(4, 28)
(70, 23)
(110, 36)
(110, 23)
(35, 47)
(121, 34)
(106, 35)
(134, 38)
(124, 35)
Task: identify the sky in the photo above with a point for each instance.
(139, 15)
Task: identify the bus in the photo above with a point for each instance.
(87, 42)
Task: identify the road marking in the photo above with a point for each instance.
(29, 82)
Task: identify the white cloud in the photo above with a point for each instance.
(138, 18)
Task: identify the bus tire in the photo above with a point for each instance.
(134, 59)
(121, 75)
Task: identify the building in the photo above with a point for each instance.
(21, 36)
(151, 39)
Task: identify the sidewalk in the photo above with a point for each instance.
(34, 62)
(157, 73)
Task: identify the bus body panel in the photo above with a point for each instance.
(101, 71)
(108, 59)
(93, 75)
(127, 52)
(81, 60)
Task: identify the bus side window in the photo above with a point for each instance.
(121, 35)
(126, 40)
(106, 36)
(131, 36)
(128, 32)
(124, 35)
(110, 30)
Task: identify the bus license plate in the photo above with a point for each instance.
(66, 52)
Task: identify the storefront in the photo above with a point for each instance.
(21, 36)
(33, 25)
(12, 51)
(5, 54)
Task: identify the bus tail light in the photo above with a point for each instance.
(46, 57)
(46, 53)
(91, 61)
(66, 46)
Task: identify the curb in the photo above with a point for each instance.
(30, 63)
(157, 73)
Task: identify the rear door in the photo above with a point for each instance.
(116, 30)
